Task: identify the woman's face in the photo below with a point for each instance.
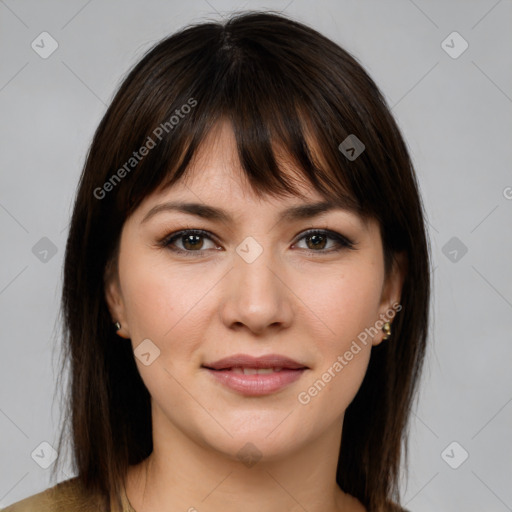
(253, 285)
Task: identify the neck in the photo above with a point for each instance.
(181, 474)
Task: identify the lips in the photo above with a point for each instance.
(256, 376)
(245, 361)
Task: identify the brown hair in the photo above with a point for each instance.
(280, 84)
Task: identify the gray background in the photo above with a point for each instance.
(456, 116)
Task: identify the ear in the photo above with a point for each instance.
(391, 294)
(114, 299)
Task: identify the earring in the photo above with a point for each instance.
(117, 325)
(387, 330)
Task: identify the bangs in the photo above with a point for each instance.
(287, 129)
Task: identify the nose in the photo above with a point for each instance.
(257, 297)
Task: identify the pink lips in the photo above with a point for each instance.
(230, 372)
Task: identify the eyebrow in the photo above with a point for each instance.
(293, 213)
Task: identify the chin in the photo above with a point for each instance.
(259, 442)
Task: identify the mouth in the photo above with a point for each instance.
(250, 371)
(253, 376)
(245, 361)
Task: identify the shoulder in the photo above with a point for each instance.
(66, 496)
(394, 507)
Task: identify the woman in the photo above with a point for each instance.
(248, 220)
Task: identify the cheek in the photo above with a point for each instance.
(164, 303)
(347, 303)
(332, 388)
(151, 304)
(342, 303)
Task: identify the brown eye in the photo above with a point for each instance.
(188, 241)
(317, 240)
(191, 242)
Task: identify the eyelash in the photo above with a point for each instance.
(342, 241)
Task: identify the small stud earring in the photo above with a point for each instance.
(117, 325)
(387, 330)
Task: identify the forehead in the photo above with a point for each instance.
(215, 172)
(227, 208)
(216, 187)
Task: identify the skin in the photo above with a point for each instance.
(309, 307)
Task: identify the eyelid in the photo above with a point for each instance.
(166, 241)
(343, 242)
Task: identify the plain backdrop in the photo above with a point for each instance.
(454, 106)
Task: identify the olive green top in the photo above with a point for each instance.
(66, 496)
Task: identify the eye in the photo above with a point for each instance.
(192, 241)
(317, 239)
